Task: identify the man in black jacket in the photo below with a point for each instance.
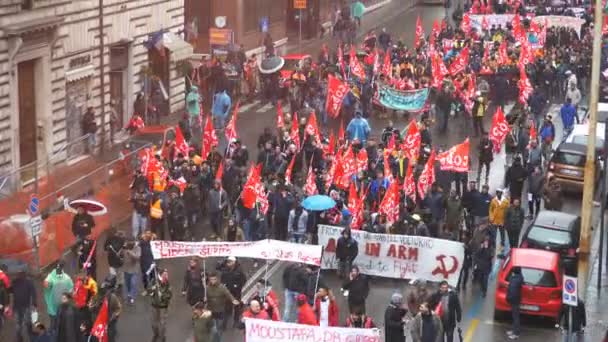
(516, 281)
(114, 247)
(346, 252)
(24, 301)
(294, 281)
(486, 156)
(451, 311)
(358, 290)
(234, 279)
(394, 319)
(82, 224)
(483, 264)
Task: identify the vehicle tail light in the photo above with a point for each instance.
(571, 252)
(556, 294)
(551, 166)
(502, 286)
(524, 244)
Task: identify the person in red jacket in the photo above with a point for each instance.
(358, 319)
(266, 295)
(305, 313)
(255, 311)
(326, 308)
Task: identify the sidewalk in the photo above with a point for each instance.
(596, 302)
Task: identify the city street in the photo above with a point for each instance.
(477, 324)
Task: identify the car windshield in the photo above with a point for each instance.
(291, 64)
(147, 138)
(570, 159)
(536, 277)
(549, 236)
(582, 140)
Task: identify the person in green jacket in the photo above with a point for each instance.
(193, 105)
(358, 9)
(161, 297)
(56, 284)
(202, 323)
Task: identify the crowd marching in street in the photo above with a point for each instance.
(398, 182)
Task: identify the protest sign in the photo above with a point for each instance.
(259, 330)
(397, 256)
(408, 100)
(491, 19)
(263, 249)
(560, 21)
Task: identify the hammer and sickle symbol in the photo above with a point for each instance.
(442, 269)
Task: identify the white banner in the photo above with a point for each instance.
(397, 256)
(258, 330)
(493, 19)
(561, 21)
(263, 249)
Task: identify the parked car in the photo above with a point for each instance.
(580, 134)
(557, 232)
(542, 289)
(148, 136)
(567, 165)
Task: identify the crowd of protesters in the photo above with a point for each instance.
(176, 187)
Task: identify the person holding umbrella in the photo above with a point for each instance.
(82, 224)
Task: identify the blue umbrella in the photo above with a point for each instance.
(318, 203)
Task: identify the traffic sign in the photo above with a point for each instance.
(34, 205)
(299, 4)
(570, 291)
(36, 225)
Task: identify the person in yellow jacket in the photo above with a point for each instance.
(498, 208)
(158, 217)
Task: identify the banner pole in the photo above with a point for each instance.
(265, 282)
(319, 271)
(205, 280)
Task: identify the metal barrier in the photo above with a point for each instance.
(107, 183)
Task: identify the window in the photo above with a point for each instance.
(570, 159)
(536, 277)
(254, 10)
(550, 236)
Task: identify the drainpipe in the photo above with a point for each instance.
(102, 78)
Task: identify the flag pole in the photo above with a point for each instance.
(319, 270)
(204, 280)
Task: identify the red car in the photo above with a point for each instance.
(149, 136)
(542, 289)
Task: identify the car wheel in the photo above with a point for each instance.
(499, 315)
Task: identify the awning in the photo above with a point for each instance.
(79, 73)
(180, 50)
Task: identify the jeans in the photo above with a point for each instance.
(217, 329)
(23, 319)
(159, 322)
(575, 337)
(91, 142)
(112, 330)
(501, 231)
(515, 314)
(139, 223)
(216, 222)
(131, 285)
(534, 204)
(290, 313)
(297, 237)
(480, 168)
(483, 281)
(247, 227)
(219, 122)
(344, 268)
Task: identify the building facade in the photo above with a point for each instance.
(51, 70)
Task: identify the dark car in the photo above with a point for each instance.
(558, 232)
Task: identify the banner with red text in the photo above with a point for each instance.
(259, 330)
(263, 249)
(397, 256)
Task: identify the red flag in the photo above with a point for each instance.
(289, 170)
(465, 25)
(484, 24)
(503, 56)
(294, 133)
(460, 63)
(349, 164)
(390, 146)
(230, 129)
(390, 203)
(419, 34)
(220, 172)
(312, 128)
(209, 138)
(330, 148)
(355, 66)
(388, 174)
(499, 130)
(280, 119)
(427, 176)
(387, 67)
(376, 68)
(411, 142)
(310, 188)
(355, 206)
(533, 133)
(469, 94)
(338, 177)
(262, 197)
(435, 30)
(336, 90)
(362, 160)
(341, 135)
(333, 171)
(100, 327)
(456, 158)
(604, 25)
(248, 195)
(525, 87)
(181, 146)
(353, 196)
(180, 183)
(436, 74)
(409, 185)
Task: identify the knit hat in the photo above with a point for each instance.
(396, 298)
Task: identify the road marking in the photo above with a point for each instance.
(264, 108)
(244, 108)
(468, 336)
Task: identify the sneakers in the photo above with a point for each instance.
(511, 335)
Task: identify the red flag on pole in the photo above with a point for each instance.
(181, 146)
(100, 327)
(280, 119)
(387, 67)
(341, 61)
(388, 174)
(533, 133)
(409, 185)
(499, 130)
(411, 142)
(209, 138)
(310, 188)
(427, 176)
(230, 129)
(312, 128)
(484, 24)
(330, 148)
(220, 172)
(390, 203)
(356, 68)
(289, 170)
(525, 87)
(456, 158)
(465, 25)
(419, 34)
(249, 194)
(294, 133)
(341, 134)
(460, 63)
(362, 160)
(336, 91)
